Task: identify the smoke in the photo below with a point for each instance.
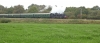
(58, 9)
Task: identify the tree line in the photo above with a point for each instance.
(33, 8)
(71, 12)
(83, 13)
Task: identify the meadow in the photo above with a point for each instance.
(49, 33)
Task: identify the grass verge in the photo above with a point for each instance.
(50, 21)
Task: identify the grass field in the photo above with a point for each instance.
(49, 33)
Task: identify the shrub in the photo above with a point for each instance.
(74, 21)
(5, 21)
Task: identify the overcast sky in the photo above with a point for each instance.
(67, 3)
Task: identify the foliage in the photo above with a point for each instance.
(10, 10)
(2, 9)
(47, 10)
(39, 7)
(18, 9)
(33, 9)
(82, 12)
(5, 20)
(95, 8)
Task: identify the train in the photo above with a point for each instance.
(34, 15)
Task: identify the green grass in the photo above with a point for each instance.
(49, 33)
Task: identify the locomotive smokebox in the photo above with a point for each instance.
(57, 15)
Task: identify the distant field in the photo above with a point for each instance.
(49, 33)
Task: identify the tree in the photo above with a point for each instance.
(47, 10)
(33, 9)
(36, 7)
(96, 8)
(2, 9)
(71, 12)
(39, 7)
(70, 9)
(18, 9)
(10, 10)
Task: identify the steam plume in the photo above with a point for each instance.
(58, 9)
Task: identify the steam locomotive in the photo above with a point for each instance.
(33, 15)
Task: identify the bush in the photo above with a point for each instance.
(5, 21)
